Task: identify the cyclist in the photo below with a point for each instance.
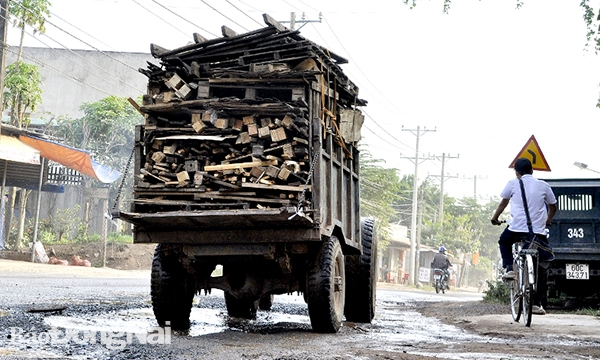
(541, 204)
(441, 261)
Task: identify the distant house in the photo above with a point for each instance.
(395, 256)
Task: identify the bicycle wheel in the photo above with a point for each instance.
(527, 290)
(516, 305)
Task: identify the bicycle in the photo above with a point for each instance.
(524, 286)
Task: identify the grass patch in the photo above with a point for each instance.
(588, 311)
(497, 292)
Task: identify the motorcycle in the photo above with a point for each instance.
(440, 278)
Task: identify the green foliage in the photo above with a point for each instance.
(379, 188)
(497, 292)
(120, 238)
(64, 221)
(30, 12)
(588, 311)
(106, 130)
(457, 233)
(23, 92)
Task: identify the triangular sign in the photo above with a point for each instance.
(532, 151)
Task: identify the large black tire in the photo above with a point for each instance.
(437, 286)
(326, 286)
(361, 276)
(172, 290)
(240, 308)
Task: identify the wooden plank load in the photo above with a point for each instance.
(228, 121)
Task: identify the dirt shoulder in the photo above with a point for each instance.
(495, 320)
(120, 256)
(16, 268)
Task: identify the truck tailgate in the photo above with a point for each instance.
(218, 219)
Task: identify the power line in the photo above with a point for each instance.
(86, 33)
(377, 135)
(305, 4)
(359, 69)
(71, 60)
(184, 19)
(384, 130)
(225, 16)
(158, 16)
(243, 12)
(77, 38)
(74, 79)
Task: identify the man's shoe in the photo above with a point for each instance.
(509, 275)
(538, 310)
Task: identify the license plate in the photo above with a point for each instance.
(578, 271)
(437, 276)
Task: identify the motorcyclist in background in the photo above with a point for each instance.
(441, 261)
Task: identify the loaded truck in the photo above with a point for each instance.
(575, 238)
(247, 178)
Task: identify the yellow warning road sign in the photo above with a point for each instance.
(532, 151)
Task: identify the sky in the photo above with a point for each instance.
(478, 82)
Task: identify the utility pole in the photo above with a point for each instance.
(413, 224)
(293, 20)
(420, 219)
(441, 212)
(475, 177)
(3, 28)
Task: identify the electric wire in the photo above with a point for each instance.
(160, 17)
(78, 39)
(293, 6)
(86, 61)
(359, 69)
(305, 4)
(385, 131)
(250, 6)
(225, 16)
(384, 140)
(41, 63)
(88, 34)
(71, 60)
(243, 12)
(184, 19)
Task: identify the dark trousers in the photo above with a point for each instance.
(507, 239)
(541, 295)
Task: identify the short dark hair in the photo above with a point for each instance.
(523, 166)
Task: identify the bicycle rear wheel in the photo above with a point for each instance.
(527, 291)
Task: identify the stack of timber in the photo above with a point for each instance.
(229, 121)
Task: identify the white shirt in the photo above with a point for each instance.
(538, 194)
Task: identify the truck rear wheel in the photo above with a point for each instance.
(240, 308)
(172, 290)
(326, 287)
(361, 277)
